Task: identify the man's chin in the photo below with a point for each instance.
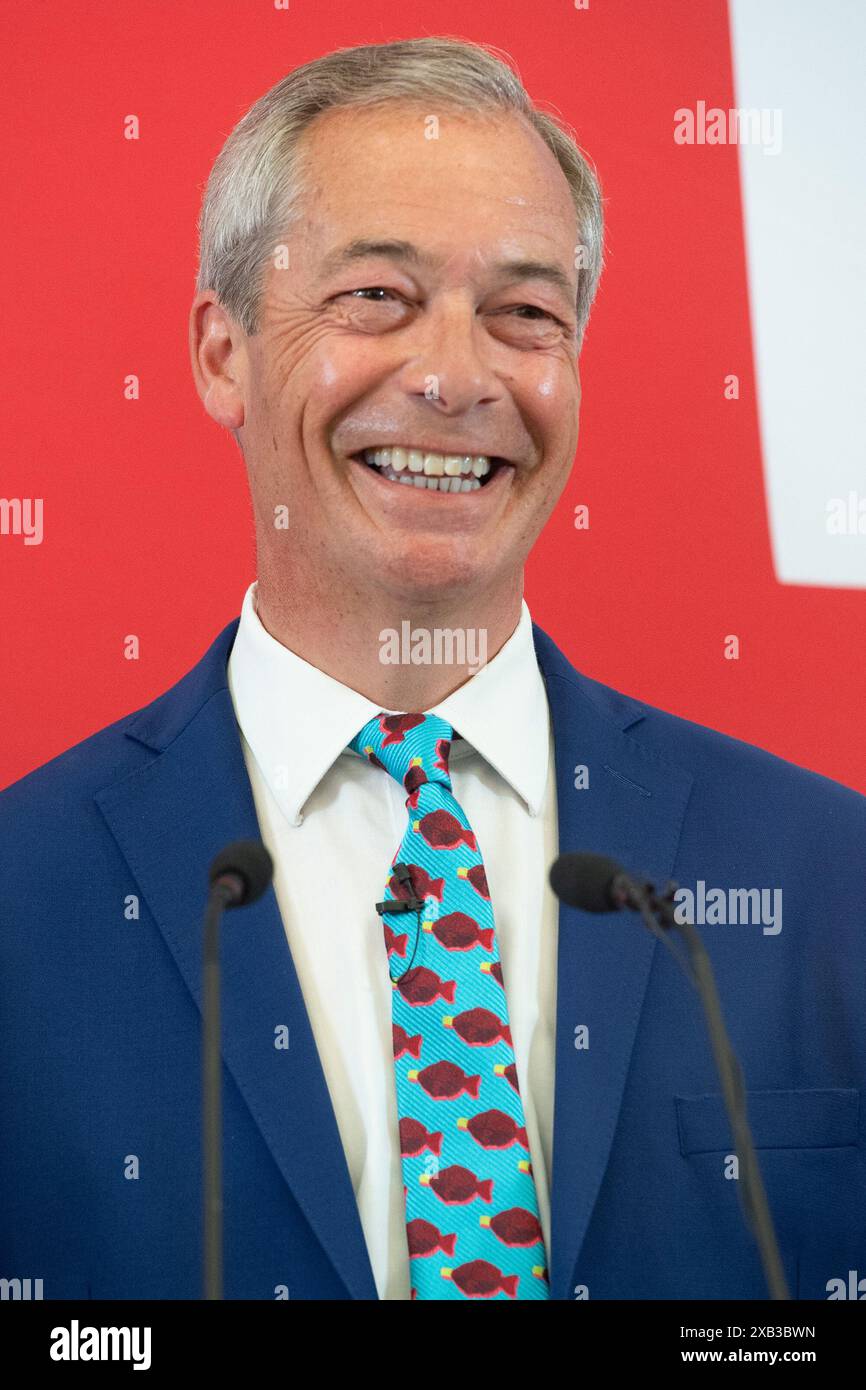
(429, 571)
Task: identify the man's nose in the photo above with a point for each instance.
(451, 362)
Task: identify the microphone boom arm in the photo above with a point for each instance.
(658, 914)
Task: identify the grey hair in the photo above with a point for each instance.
(256, 186)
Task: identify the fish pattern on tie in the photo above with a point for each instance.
(472, 1223)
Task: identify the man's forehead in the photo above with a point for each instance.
(496, 158)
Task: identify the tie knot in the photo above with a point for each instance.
(413, 748)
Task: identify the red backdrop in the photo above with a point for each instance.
(147, 528)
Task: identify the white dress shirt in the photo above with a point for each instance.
(328, 816)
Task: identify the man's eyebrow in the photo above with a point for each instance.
(536, 270)
(364, 248)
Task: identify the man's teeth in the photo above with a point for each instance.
(439, 472)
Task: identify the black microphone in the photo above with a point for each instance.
(594, 883)
(244, 869)
(239, 875)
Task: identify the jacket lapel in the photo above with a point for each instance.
(632, 810)
(169, 820)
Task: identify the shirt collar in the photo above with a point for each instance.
(502, 712)
(297, 720)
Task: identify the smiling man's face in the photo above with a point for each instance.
(428, 308)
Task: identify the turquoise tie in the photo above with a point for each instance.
(471, 1208)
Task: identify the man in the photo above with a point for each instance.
(507, 1099)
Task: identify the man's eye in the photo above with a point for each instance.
(371, 289)
(534, 309)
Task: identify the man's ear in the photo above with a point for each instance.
(217, 356)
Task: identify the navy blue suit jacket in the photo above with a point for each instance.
(100, 1047)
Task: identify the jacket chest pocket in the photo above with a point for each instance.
(778, 1119)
